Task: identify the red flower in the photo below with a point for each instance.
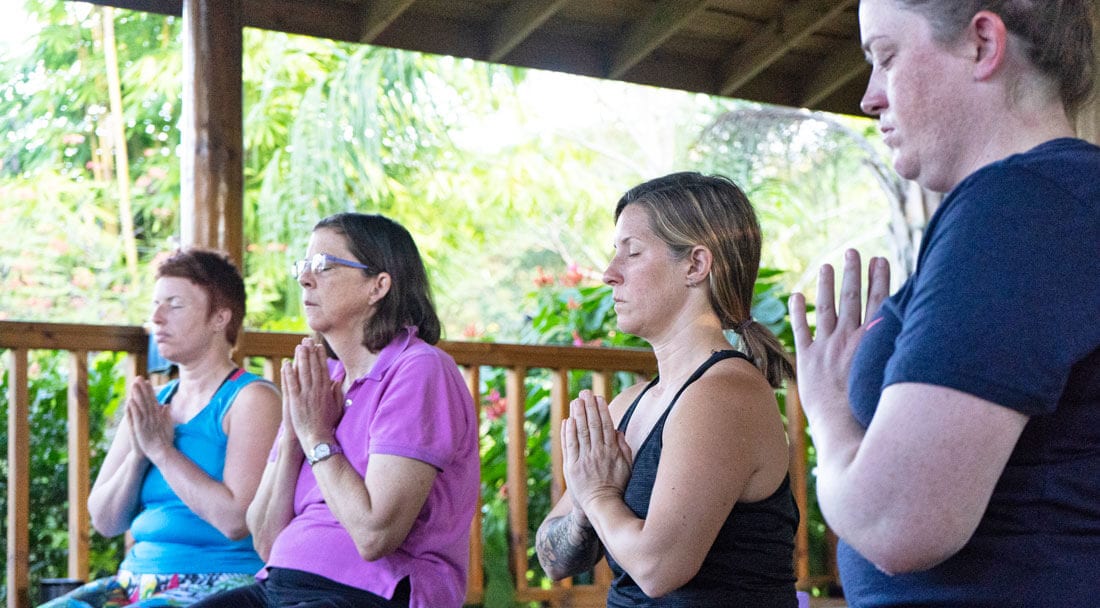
(542, 279)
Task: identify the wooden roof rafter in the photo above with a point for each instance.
(664, 19)
(378, 15)
(517, 22)
(789, 28)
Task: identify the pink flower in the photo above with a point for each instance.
(59, 246)
(572, 276)
(83, 278)
(496, 410)
(572, 304)
(72, 139)
(495, 405)
(471, 331)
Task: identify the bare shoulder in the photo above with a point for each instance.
(729, 415)
(257, 406)
(622, 401)
(257, 394)
(732, 389)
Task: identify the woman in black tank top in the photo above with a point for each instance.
(682, 481)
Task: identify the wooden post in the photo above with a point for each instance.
(212, 165)
(1088, 117)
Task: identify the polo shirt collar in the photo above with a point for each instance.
(385, 358)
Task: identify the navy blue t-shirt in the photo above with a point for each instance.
(1005, 306)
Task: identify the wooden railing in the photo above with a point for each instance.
(18, 339)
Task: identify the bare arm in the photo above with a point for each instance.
(913, 491)
(377, 510)
(565, 544)
(909, 492)
(251, 423)
(666, 549)
(273, 507)
(114, 499)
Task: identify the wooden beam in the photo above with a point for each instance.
(780, 35)
(212, 161)
(517, 22)
(664, 20)
(837, 70)
(378, 15)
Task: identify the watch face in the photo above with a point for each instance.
(321, 451)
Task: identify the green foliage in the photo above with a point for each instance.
(48, 390)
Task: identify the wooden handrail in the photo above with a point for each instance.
(18, 338)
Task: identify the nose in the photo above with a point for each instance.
(874, 98)
(306, 278)
(611, 275)
(157, 317)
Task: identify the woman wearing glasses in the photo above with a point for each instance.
(371, 487)
(184, 465)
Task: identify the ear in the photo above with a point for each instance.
(699, 263)
(382, 283)
(221, 318)
(990, 38)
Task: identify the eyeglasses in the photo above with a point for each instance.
(320, 262)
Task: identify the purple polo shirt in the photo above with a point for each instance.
(412, 403)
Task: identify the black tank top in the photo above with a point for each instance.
(750, 564)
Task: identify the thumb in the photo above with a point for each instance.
(624, 447)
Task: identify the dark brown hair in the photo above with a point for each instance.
(386, 246)
(689, 209)
(215, 274)
(1057, 34)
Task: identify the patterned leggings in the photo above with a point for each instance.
(150, 590)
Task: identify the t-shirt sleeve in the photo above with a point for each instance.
(1007, 292)
(425, 413)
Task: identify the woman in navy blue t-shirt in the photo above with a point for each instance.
(957, 424)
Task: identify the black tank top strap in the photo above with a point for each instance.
(715, 357)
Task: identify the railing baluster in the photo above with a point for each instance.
(19, 486)
(559, 411)
(515, 417)
(796, 436)
(79, 465)
(475, 576)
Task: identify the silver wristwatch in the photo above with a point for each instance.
(323, 450)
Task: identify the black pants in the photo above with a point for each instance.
(285, 588)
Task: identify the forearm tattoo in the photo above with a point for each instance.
(566, 549)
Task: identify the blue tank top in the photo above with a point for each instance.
(750, 564)
(169, 537)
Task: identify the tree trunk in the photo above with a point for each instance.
(118, 140)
